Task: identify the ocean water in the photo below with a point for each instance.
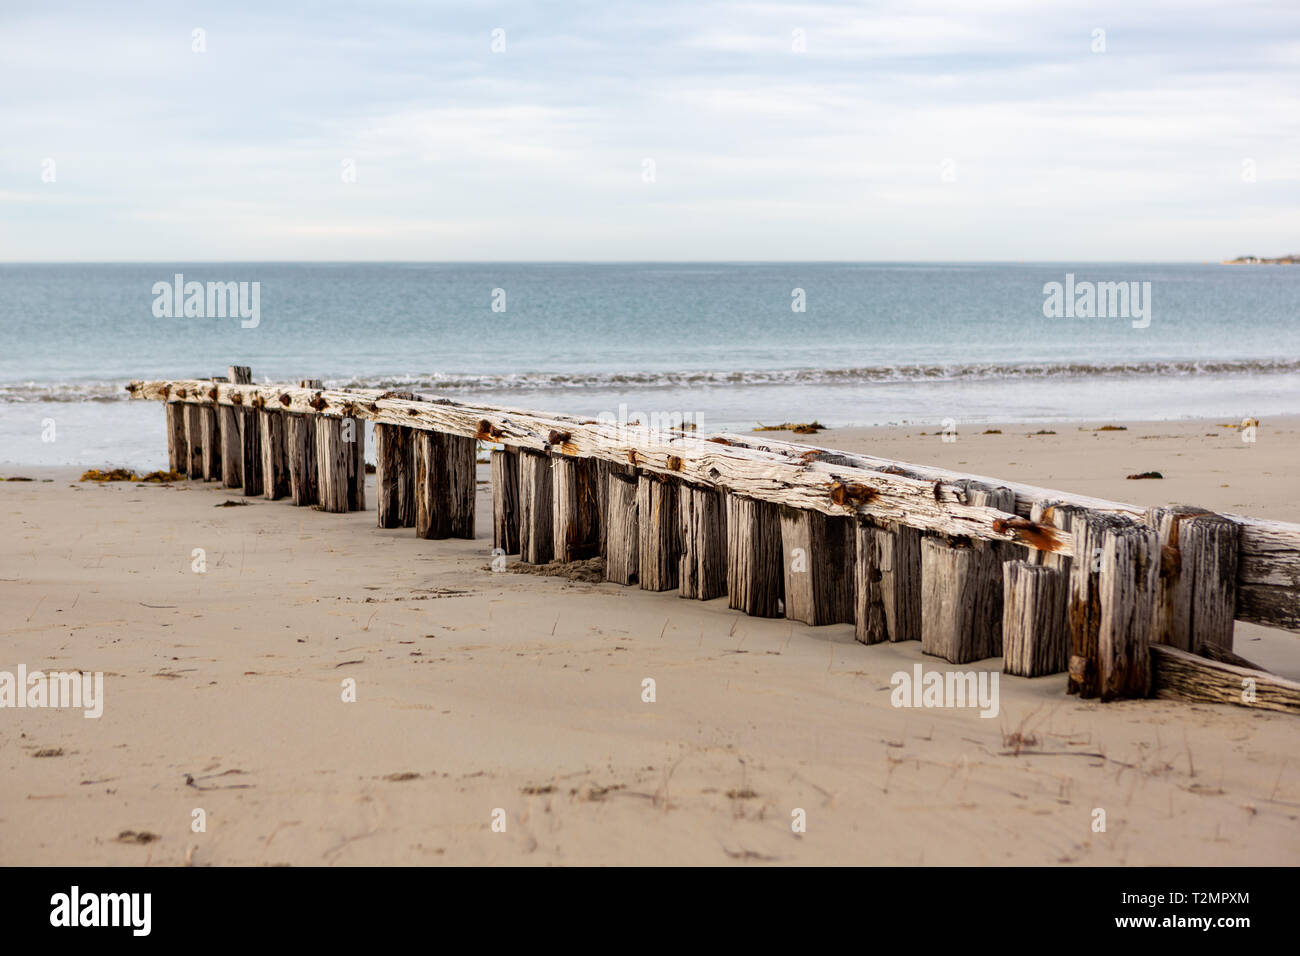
(722, 343)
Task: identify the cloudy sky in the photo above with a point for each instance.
(959, 130)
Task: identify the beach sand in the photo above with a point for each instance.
(478, 691)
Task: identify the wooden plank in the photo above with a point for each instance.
(956, 601)
(1178, 675)
(536, 541)
(703, 565)
(575, 512)
(819, 560)
(622, 536)
(658, 533)
(1033, 629)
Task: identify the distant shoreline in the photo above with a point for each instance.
(1292, 260)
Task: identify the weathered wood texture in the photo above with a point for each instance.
(1084, 611)
(210, 427)
(755, 576)
(1112, 606)
(957, 601)
(820, 560)
(1033, 629)
(249, 454)
(1268, 569)
(194, 441)
(331, 466)
(178, 454)
(232, 446)
(300, 450)
(275, 460)
(505, 500)
(1198, 577)
(536, 531)
(575, 514)
(1178, 675)
(887, 597)
(395, 505)
(703, 566)
(927, 498)
(807, 485)
(658, 533)
(995, 553)
(355, 439)
(445, 484)
(622, 535)
(1130, 572)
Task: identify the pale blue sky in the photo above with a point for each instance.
(537, 152)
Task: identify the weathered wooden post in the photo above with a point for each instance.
(576, 510)
(505, 500)
(331, 465)
(1033, 629)
(887, 591)
(445, 484)
(703, 564)
(536, 544)
(395, 476)
(820, 566)
(232, 442)
(1129, 578)
(250, 444)
(178, 452)
(194, 439)
(275, 460)
(622, 534)
(992, 554)
(755, 578)
(354, 436)
(658, 533)
(210, 429)
(300, 447)
(1112, 606)
(1197, 593)
(957, 599)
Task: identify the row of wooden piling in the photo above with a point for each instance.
(269, 452)
(1126, 584)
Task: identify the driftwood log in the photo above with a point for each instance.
(1178, 675)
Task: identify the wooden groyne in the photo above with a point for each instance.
(971, 566)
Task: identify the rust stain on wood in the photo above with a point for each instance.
(285, 400)
(1027, 532)
(318, 402)
(850, 495)
(557, 437)
(674, 463)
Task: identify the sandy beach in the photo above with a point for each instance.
(478, 691)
